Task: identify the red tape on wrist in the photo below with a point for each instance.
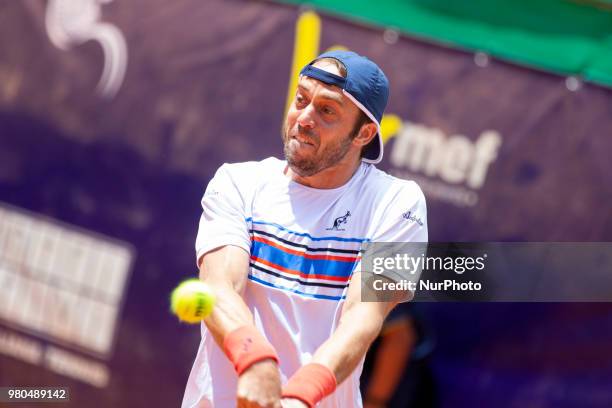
(245, 346)
(310, 384)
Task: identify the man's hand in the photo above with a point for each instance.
(260, 386)
(292, 403)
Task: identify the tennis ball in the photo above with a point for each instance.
(192, 301)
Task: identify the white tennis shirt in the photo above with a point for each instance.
(304, 245)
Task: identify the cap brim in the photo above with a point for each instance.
(374, 150)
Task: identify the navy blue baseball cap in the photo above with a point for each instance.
(365, 85)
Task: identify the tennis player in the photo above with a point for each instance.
(279, 243)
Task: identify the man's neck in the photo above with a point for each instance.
(332, 177)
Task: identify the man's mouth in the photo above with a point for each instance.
(302, 141)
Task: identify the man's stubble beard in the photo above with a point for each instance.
(330, 156)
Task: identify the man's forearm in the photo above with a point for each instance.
(225, 271)
(335, 359)
(230, 312)
(231, 324)
(348, 344)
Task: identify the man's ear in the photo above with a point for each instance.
(366, 134)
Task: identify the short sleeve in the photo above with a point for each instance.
(403, 220)
(223, 220)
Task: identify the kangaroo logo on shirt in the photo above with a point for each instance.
(339, 221)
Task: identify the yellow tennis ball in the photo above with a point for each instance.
(192, 301)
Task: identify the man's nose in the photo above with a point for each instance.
(306, 118)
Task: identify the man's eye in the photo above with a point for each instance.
(299, 100)
(328, 111)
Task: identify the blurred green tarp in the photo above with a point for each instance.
(562, 36)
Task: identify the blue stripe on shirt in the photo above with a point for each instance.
(300, 263)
